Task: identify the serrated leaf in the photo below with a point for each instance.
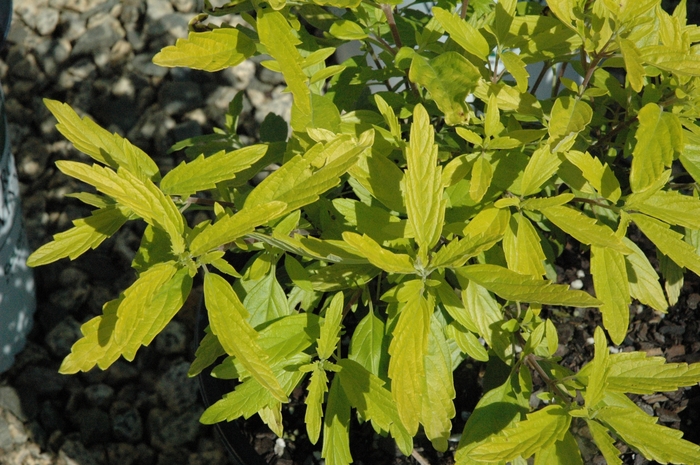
(668, 242)
(606, 444)
(330, 329)
(484, 311)
(367, 342)
(347, 30)
(563, 452)
(599, 371)
(297, 273)
(673, 276)
(522, 247)
(366, 392)
(406, 365)
(203, 173)
(462, 32)
(467, 342)
(540, 203)
(328, 251)
(449, 77)
(389, 116)
(659, 135)
(316, 389)
(451, 302)
(583, 228)
(231, 227)
(227, 317)
(375, 221)
(341, 276)
(542, 166)
(266, 300)
(672, 207)
(643, 279)
(336, 425)
(681, 62)
(633, 64)
(482, 174)
(382, 178)
(598, 175)
(208, 351)
(612, 288)
(86, 233)
(524, 288)
(154, 248)
(569, 117)
(516, 67)
(635, 373)
(109, 149)
(209, 51)
(378, 256)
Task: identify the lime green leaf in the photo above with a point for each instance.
(109, 149)
(330, 329)
(203, 173)
(366, 344)
(86, 233)
(467, 342)
(375, 221)
(516, 67)
(605, 443)
(154, 248)
(659, 135)
(583, 228)
(654, 441)
(570, 116)
(449, 77)
(683, 63)
(598, 175)
(633, 64)
(542, 165)
(341, 276)
(437, 406)
(563, 452)
(600, 367)
(227, 317)
(492, 119)
(328, 251)
(466, 35)
(389, 116)
(563, 9)
(140, 195)
(643, 279)
(378, 256)
(348, 30)
(540, 203)
(366, 392)
(336, 425)
(672, 207)
(318, 386)
(231, 227)
(635, 373)
(266, 301)
(552, 337)
(541, 429)
(297, 273)
(690, 155)
(382, 178)
(668, 242)
(524, 288)
(451, 302)
(406, 365)
(208, 51)
(482, 174)
(483, 310)
(208, 351)
(522, 247)
(422, 184)
(673, 276)
(612, 288)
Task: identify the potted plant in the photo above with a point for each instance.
(432, 210)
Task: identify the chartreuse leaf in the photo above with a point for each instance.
(583, 228)
(563, 9)
(542, 166)
(516, 67)
(466, 35)
(366, 343)
(389, 116)
(612, 288)
(599, 370)
(635, 373)
(482, 174)
(467, 342)
(336, 426)
(109, 149)
(317, 388)
(570, 116)
(563, 452)
(654, 441)
(231, 227)
(86, 233)
(266, 301)
(140, 195)
(451, 302)
(341, 276)
(668, 242)
(524, 288)
(297, 273)
(643, 279)
(203, 173)
(382, 178)
(522, 247)
(449, 77)
(673, 276)
(598, 175)
(422, 184)
(407, 364)
(605, 443)
(378, 256)
(208, 351)
(227, 317)
(366, 392)
(659, 135)
(437, 406)
(208, 51)
(375, 221)
(330, 329)
(633, 64)
(540, 430)
(484, 311)
(276, 35)
(678, 62)
(671, 207)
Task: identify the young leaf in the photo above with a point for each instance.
(563, 452)
(378, 256)
(598, 175)
(227, 317)
(612, 288)
(336, 425)
(406, 365)
(583, 228)
(382, 178)
(635, 373)
(482, 173)
(297, 273)
(542, 165)
(570, 116)
(643, 279)
(86, 233)
(516, 68)
(389, 116)
(422, 184)
(207, 353)
(109, 149)
(600, 368)
(633, 64)
(318, 386)
(330, 329)
(467, 342)
(466, 35)
(367, 342)
(209, 51)
(668, 241)
(484, 311)
(671, 207)
(522, 247)
(523, 288)
(266, 301)
(605, 443)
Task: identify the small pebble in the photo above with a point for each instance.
(279, 447)
(576, 284)
(580, 274)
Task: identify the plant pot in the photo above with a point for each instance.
(17, 301)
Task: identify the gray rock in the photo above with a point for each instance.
(156, 9)
(62, 337)
(46, 21)
(6, 441)
(102, 36)
(132, 10)
(9, 401)
(217, 104)
(74, 453)
(25, 68)
(126, 422)
(169, 429)
(177, 390)
(175, 24)
(28, 454)
(82, 70)
(143, 64)
(52, 54)
(280, 104)
(239, 76)
(32, 159)
(94, 425)
(173, 338)
(121, 372)
(185, 6)
(72, 25)
(120, 111)
(178, 97)
(99, 395)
